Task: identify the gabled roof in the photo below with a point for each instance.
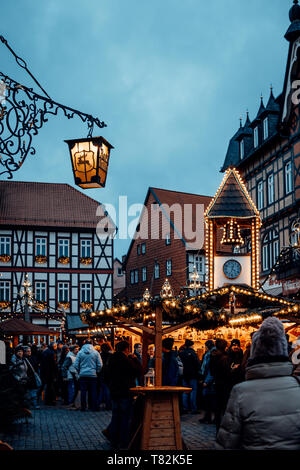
(47, 204)
(273, 106)
(232, 199)
(246, 131)
(168, 197)
(22, 327)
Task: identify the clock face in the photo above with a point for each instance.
(232, 269)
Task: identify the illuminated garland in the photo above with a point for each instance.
(232, 233)
(205, 308)
(7, 316)
(242, 186)
(243, 320)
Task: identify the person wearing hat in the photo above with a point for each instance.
(191, 369)
(263, 413)
(235, 355)
(220, 369)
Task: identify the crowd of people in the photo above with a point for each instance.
(59, 371)
(252, 396)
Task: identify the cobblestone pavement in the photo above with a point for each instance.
(57, 428)
(197, 436)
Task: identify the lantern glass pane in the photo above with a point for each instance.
(84, 156)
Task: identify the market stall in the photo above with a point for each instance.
(18, 331)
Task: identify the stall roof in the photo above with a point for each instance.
(21, 327)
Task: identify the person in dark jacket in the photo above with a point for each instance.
(138, 351)
(49, 373)
(103, 390)
(220, 369)
(246, 355)
(191, 369)
(18, 367)
(208, 387)
(58, 351)
(62, 384)
(32, 371)
(235, 356)
(263, 413)
(120, 373)
(170, 366)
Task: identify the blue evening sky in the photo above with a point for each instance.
(170, 78)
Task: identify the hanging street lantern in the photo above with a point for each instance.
(90, 159)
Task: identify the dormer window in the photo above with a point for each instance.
(255, 137)
(266, 128)
(242, 149)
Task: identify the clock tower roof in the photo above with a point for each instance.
(232, 199)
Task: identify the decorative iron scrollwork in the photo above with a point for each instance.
(22, 114)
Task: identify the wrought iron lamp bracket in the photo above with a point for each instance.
(23, 112)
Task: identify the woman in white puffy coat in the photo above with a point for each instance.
(70, 374)
(263, 413)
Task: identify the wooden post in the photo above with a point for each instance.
(146, 340)
(158, 346)
(112, 337)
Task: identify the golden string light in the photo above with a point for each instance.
(255, 318)
(232, 233)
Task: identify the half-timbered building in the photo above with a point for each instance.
(266, 151)
(49, 231)
(168, 243)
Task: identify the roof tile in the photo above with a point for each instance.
(46, 204)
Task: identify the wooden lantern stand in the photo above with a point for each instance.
(160, 428)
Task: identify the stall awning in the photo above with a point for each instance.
(16, 326)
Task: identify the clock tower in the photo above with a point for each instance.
(230, 213)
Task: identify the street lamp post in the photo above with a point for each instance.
(27, 296)
(195, 283)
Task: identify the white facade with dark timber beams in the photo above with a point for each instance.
(49, 232)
